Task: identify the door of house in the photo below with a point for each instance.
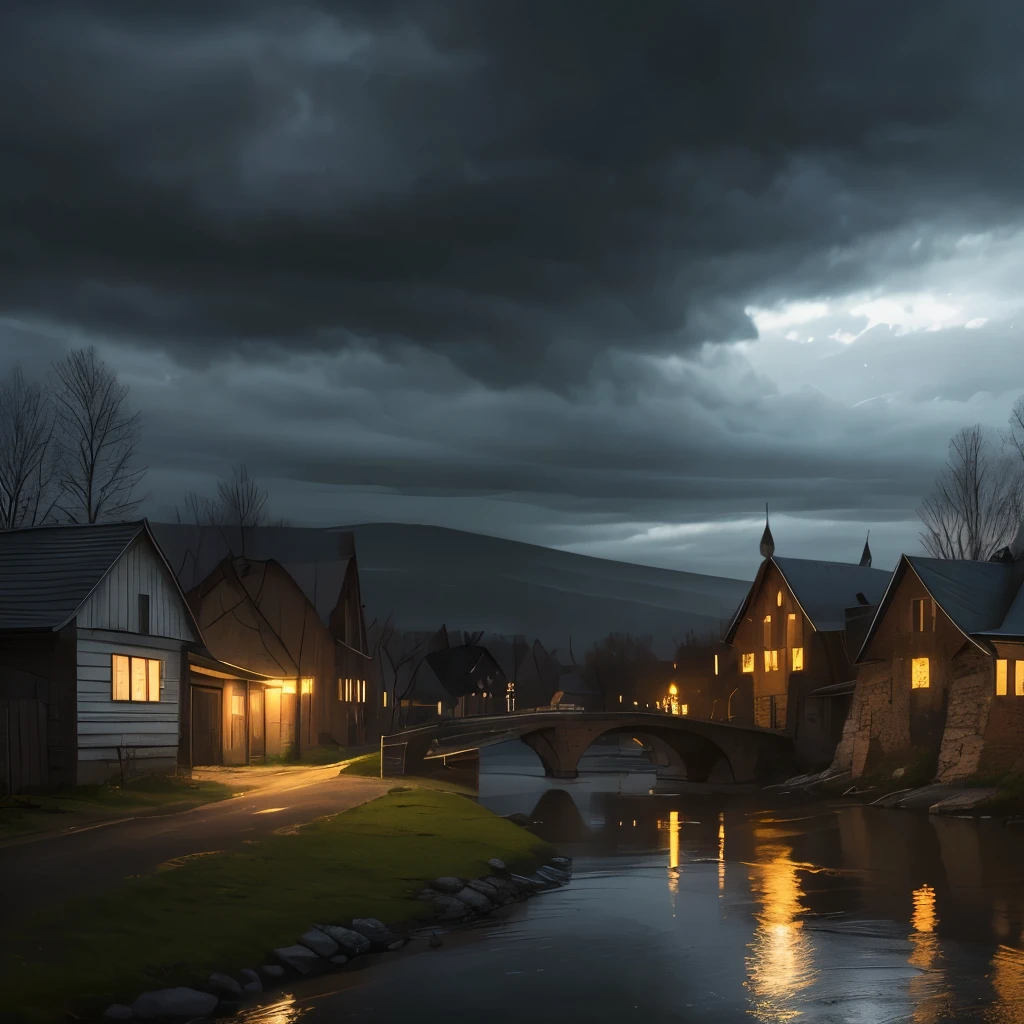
(257, 727)
(207, 723)
(24, 749)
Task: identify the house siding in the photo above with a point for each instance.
(114, 604)
(151, 730)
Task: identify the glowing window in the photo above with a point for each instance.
(135, 679)
(919, 674)
(440, 707)
(307, 684)
(288, 686)
(1018, 678)
(684, 709)
(1001, 677)
(716, 664)
(767, 632)
(771, 661)
(747, 664)
(798, 659)
(385, 698)
(672, 689)
(778, 599)
(237, 704)
(922, 615)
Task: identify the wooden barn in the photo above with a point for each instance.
(792, 639)
(94, 633)
(343, 701)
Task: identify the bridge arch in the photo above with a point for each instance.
(694, 756)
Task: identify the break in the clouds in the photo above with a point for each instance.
(606, 276)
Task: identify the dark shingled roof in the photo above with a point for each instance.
(47, 572)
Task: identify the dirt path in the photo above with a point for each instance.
(53, 869)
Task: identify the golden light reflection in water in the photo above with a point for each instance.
(721, 851)
(1008, 986)
(283, 1011)
(780, 965)
(673, 857)
(927, 990)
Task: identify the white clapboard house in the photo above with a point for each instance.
(94, 633)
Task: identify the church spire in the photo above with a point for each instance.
(865, 558)
(767, 541)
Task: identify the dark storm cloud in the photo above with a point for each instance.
(519, 186)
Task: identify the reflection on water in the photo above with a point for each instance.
(281, 1011)
(780, 963)
(826, 913)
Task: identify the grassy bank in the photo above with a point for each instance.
(368, 764)
(225, 911)
(73, 805)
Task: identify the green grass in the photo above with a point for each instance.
(1009, 799)
(225, 911)
(66, 806)
(368, 764)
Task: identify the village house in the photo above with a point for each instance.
(794, 634)
(307, 662)
(940, 676)
(94, 640)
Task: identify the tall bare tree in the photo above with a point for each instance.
(977, 501)
(28, 487)
(96, 435)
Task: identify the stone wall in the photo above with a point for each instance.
(967, 714)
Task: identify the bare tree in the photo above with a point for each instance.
(977, 501)
(28, 488)
(241, 501)
(96, 437)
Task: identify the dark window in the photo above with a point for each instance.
(144, 613)
(922, 615)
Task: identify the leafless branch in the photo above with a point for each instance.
(96, 438)
(977, 501)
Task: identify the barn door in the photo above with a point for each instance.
(24, 745)
(207, 722)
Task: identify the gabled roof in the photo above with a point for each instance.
(824, 590)
(981, 599)
(317, 559)
(48, 572)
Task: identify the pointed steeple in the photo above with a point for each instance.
(767, 541)
(865, 557)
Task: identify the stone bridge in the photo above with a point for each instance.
(693, 746)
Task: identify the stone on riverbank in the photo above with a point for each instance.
(485, 888)
(496, 864)
(562, 862)
(506, 891)
(274, 971)
(379, 934)
(118, 1011)
(475, 900)
(319, 942)
(447, 884)
(351, 943)
(171, 1003)
(966, 800)
(448, 908)
(340, 960)
(300, 959)
(250, 980)
(224, 986)
(551, 875)
(526, 885)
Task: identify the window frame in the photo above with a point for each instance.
(149, 663)
(922, 623)
(915, 663)
(747, 660)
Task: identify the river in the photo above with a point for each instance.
(713, 907)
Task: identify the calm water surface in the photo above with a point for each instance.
(714, 908)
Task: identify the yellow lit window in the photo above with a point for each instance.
(767, 632)
(237, 704)
(1000, 677)
(684, 709)
(798, 659)
(288, 686)
(771, 661)
(385, 698)
(440, 707)
(134, 679)
(1018, 678)
(307, 684)
(919, 674)
(747, 664)
(778, 599)
(716, 664)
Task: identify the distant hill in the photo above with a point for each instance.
(426, 576)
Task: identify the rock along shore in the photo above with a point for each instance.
(328, 947)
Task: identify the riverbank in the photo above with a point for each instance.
(226, 911)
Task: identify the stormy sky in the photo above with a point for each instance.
(596, 275)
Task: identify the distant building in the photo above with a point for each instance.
(347, 704)
(940, 675)
(94, 635)
(792, 637)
